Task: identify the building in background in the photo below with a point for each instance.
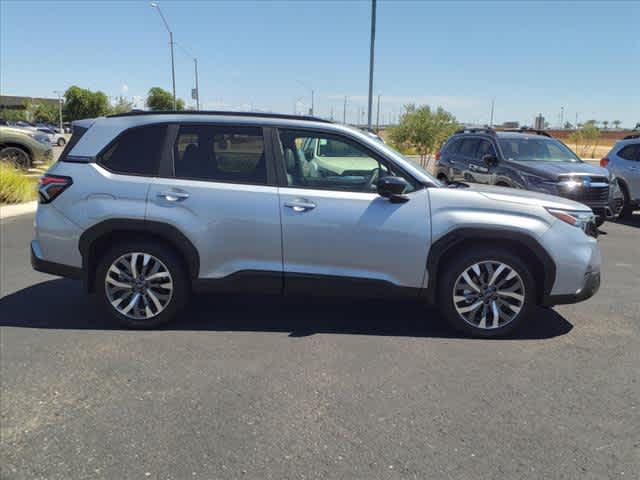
(539, 122)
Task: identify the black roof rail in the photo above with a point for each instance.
(488, 130)
(136, 113)
(632, 136)
(527, 130)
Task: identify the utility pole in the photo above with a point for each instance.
(173, 69)
(344, 111)
(373, 41)
(57, 92)
(312, 103)
(378, 116)
(493, 102)
(561, 117)
(195, 62)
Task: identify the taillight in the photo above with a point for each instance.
(50, 186)
(438, 156)
(604, 162)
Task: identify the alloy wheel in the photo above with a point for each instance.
(489, 294)
(138, 285)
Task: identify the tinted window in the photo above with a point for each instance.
(220, 153)
(77, 134)
(630, 152)
(453, 147)
(334, 164)
(485, 148)
(136, 151)
(469, 146)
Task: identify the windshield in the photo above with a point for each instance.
(536, 149)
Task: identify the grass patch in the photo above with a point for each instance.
(15, 187)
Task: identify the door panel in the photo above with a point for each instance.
(225, 207)
(355, 235)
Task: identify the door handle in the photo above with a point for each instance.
(173, 195)
(300, 205)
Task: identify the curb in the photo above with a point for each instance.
(8, 211)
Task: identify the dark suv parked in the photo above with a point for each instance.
(527, 159)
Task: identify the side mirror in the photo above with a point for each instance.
(393, 188)
(490, 160)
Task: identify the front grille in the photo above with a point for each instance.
(594, 191)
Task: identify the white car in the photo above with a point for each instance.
(54, 137)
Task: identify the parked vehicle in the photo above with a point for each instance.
(526, 159)
(623, 161)
(23, 147)
(147, 207)
(54, 137)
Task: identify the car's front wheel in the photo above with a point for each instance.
(61, 142)
(15, 156)
(142, 284)
(487, 292)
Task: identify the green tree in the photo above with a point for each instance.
(45, 112)
(616, 123)
(588, 135)
(83, 103)
(122, 105)
(605, 123)
(159, 99)
(423, 129)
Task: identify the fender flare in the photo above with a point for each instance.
(167, 232)
(455, 237)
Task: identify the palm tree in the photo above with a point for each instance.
(616, 123)
(605, 123)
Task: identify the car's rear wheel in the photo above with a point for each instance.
(15, 156)
(61, 142)
(487, 292)
(142, 284)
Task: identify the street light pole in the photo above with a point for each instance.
(378, 116)
(173, 69)
(344, 111)
(373, 41)
(57, 92)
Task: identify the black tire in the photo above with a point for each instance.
(600, 219)
(627, 210)
(175, 266)
(443, 178)
(463, 261)
(16, 156)
(61, 142)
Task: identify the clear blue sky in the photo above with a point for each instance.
(531, 56)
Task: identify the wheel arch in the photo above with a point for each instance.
(98, 238)
(542, 265)
(18, 145)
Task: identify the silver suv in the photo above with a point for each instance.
(146, 208)
(623, 161)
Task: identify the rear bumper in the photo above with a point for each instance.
(588, 290)
(52, 268)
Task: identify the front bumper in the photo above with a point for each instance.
(590, 287)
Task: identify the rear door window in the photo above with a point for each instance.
(232, 154)
(136, 152)
(469, 146)
(630, 152)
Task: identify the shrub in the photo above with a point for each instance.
(15, 186)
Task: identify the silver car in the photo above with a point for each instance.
(623, 161)
(147, 208)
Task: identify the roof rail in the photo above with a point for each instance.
(488, 130)
(632, 136)
(527, 130)
(135, 113)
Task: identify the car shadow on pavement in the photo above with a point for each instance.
(62, 304)
(630, 221)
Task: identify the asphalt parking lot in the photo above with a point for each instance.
(269, 388)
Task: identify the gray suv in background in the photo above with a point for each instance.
(530, 160)
(146, 208)
(623, 161)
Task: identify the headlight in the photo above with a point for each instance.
(580, 219)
